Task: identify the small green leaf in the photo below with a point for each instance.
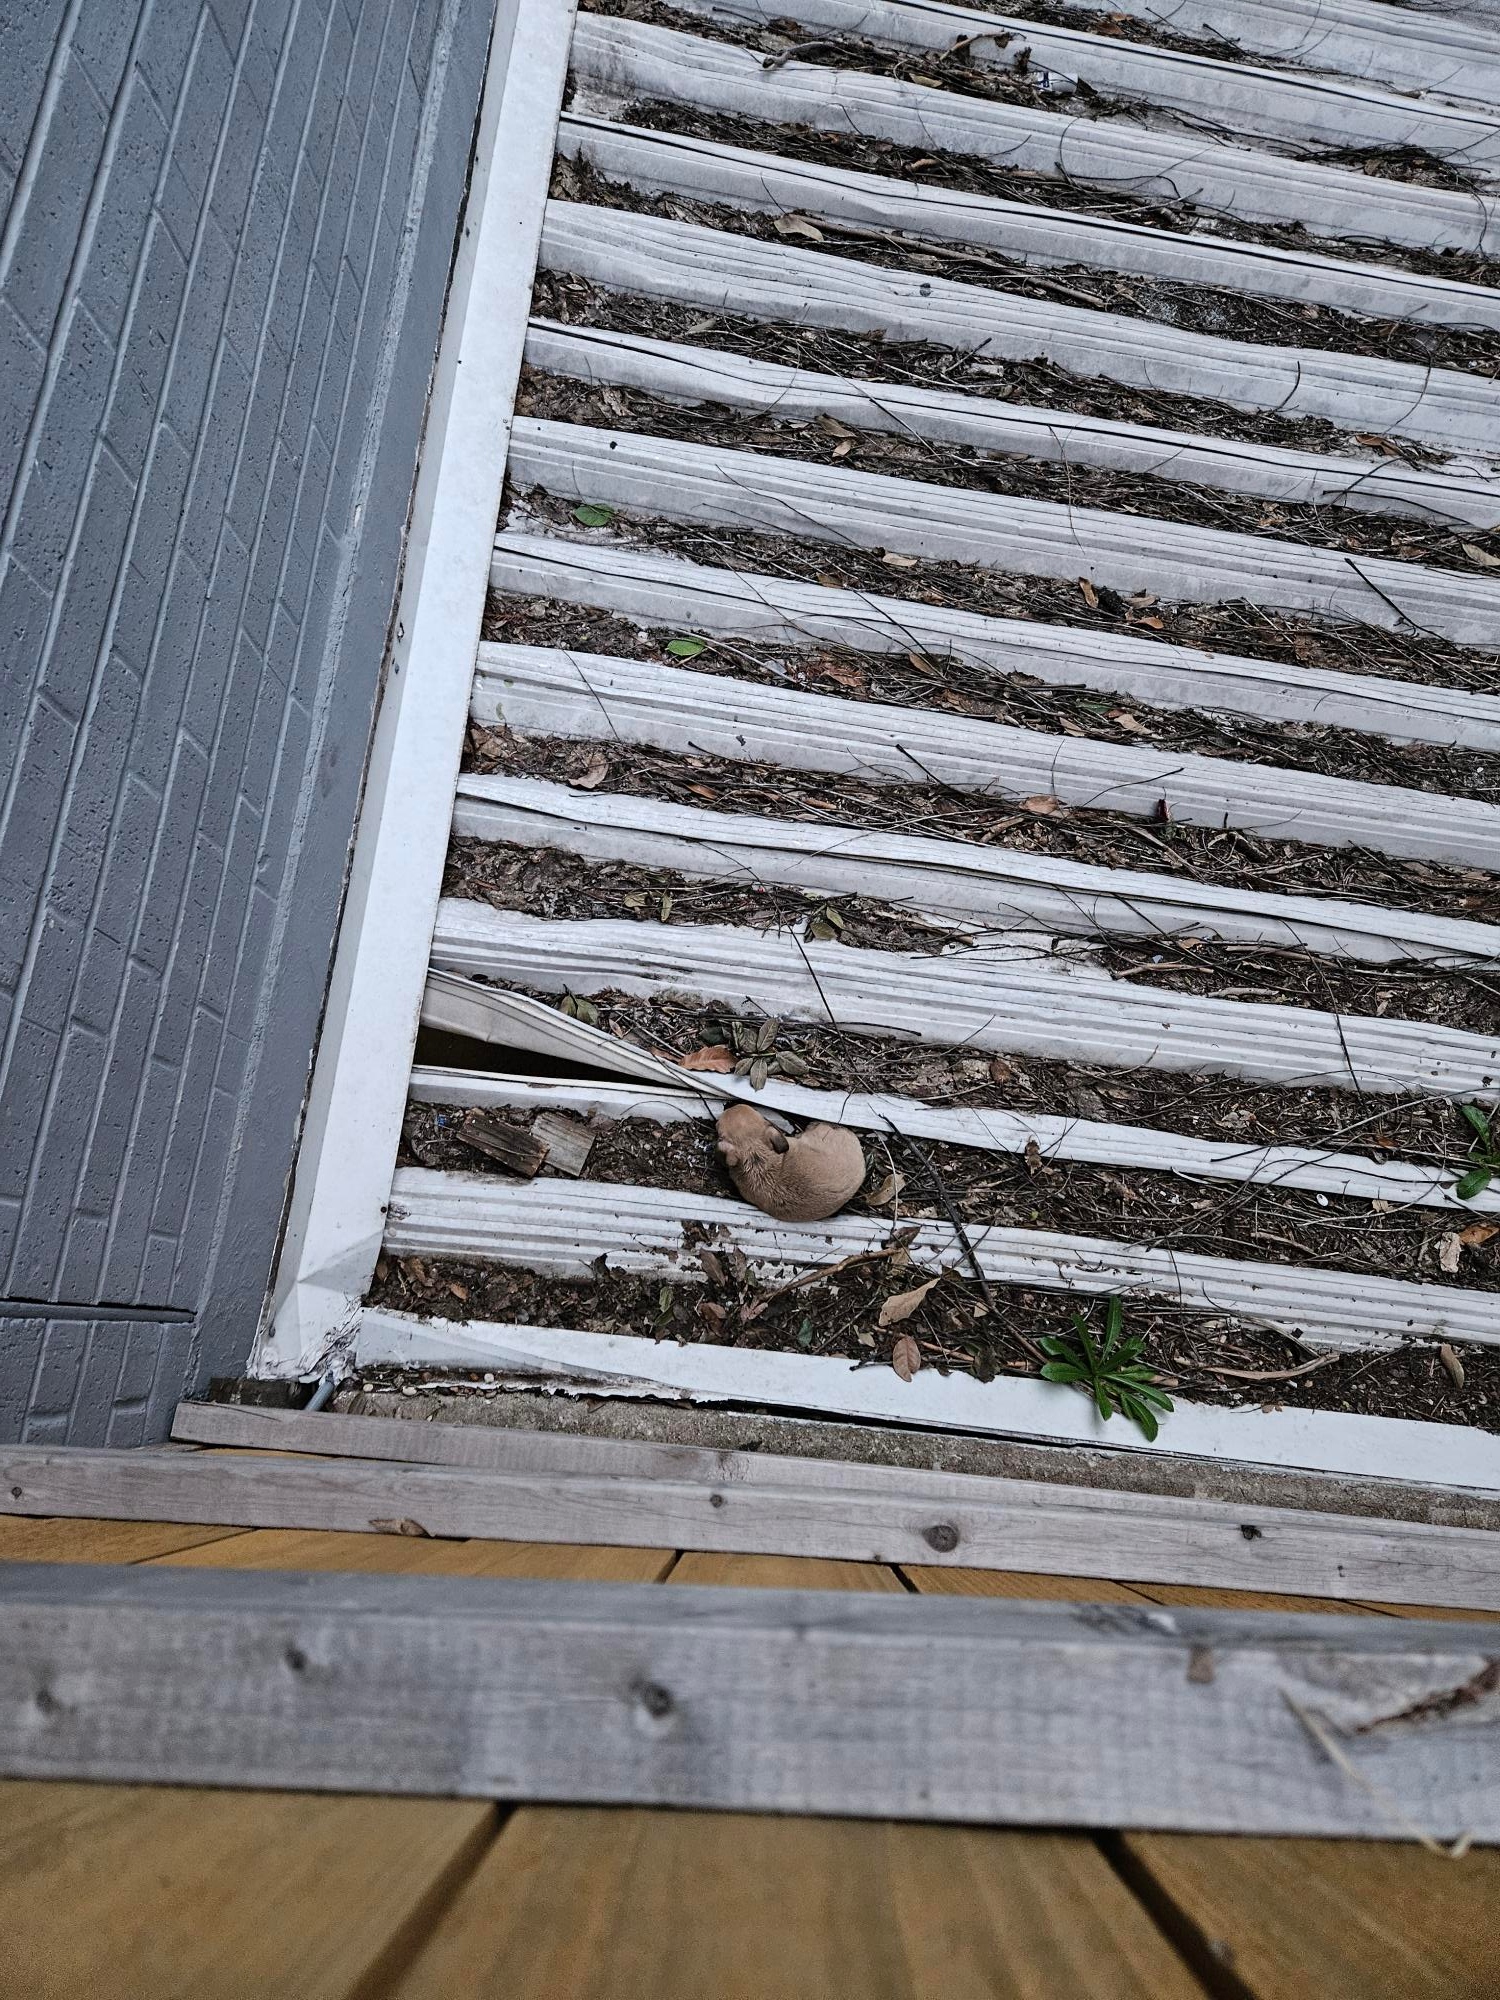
(759, 1070)
(765, 1041)
(790, 1065)
(589, 515)
(1478, 1118)
(805, 1332)
(686, 649)
(1475, 1181)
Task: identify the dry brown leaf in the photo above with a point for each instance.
(831, 427)
(893, 561)
(1478, 1232)
(591, 776)
(1452, 1364)
(1001, 1071)
(1156, 624)
(1482, 556)
(1123, 719)
(900, 1306)
(922, 666)
(906, 1357)
(1090, 595)
(888, 1189)
(717, 1058)
(1041, 802)
(1450, 1248)
(794, 225)
(841, 450)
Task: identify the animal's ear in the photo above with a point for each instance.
(779, 1140)
(728, 1153)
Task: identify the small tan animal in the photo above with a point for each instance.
(799, 1179)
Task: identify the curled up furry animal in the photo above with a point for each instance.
(802, 1178)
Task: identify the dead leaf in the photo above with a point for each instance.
(717, 1058)
(1001, 1071)
(831, 427)
(591, 776)
(922, 666)
(1482, 556)
(1451, 1362)
(842, 450)
(893, 561)
(405, 1526)
(1156, 624)
(900, 1306)
(836, 670)
(888, 1190)
(1381, 1206)
(794, 225)
(1478, 1232)
(1090, 595)
(703, 791)
(906, 1357)
(1041, 802)
(459, 1291)
(1450, 1248)
(1032, 1154)
(1123, 719)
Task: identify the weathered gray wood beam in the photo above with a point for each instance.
(786, 1701)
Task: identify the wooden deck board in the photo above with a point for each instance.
(1342, 1919)
(24, 1539)
(126, 1892)
(411, 1555)
(599, 1905)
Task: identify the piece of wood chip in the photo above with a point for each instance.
(1450, 1248)
(894, 561)
(569, 1141)
(1452, 1364)
(901, 1305)
(509, 1146)
(906, 1357)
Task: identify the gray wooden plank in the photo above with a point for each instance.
(956, 1709)
(1006, 1525)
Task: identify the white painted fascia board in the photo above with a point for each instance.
(593, 1364)
(560, 1228)
(991, 1130)
(1280, 106)
(348, 1146)
(688, 374)
(549, 692)
(665, 590)
(680, 164)
(1017, 1003)
(630, 61)
(998, 887)
(1430, 50)
(723, 271)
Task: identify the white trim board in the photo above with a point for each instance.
(1277, 106)
(898, 1706)
(629, 61)
(1014, 1003)
(990, 886)
(724, 270)
(560, 1228)
(1424, 49)
(988, 1130)
(712, 485)
(677, 163)
(689, 374)
(872, 1513)
(358, 1089)
(667, 591)
(546, 691)
(594, 1364)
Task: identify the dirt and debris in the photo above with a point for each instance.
(950, 685)
(1229, 626)
(1060, 482)
(955, 1329)
(967, 173)
(1192, 308)
(1267, 1222)
(1423, 1130)
(1040, 824)
(1021, 80)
